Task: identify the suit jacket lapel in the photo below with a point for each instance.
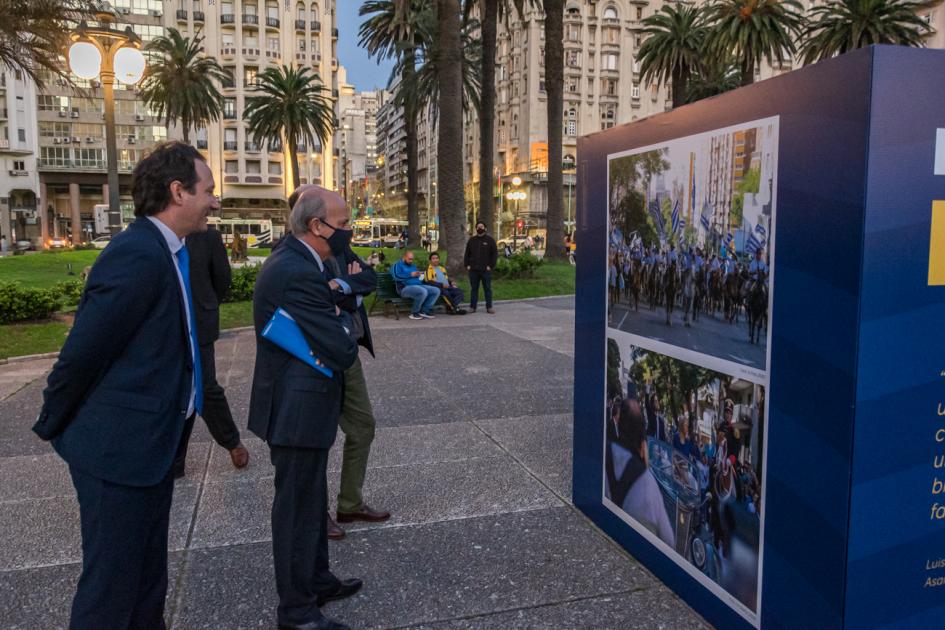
(146, 223)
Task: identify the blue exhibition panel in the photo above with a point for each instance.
(779, 471)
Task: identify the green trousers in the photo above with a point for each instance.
(357, 423)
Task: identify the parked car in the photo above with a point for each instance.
(23, 245)
(57, 242)
(101, 241)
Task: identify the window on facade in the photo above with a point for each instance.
(301, 44)
(54, 129)
(249, 76)
(573, 59)
(608, 61)
(273, 43)
(226, 8)
(574, 33)
(275, 168)
(55, 156)
(227, 80)
(272, 10)
(635, 91)
(229, 135)
(611, 36)
(571, 128)
(229, 109)
(249, 9)
(231, 166)
(228, 40)
(639, 13)
(300, 11)
(573, 85)
(610, 13)
(252, 167)
(19, 165)
(90, 157)
(88, 130)
(124, 107)
(250, 41)
(541, 83)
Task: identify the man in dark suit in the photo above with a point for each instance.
(210, 279)
(295, 408)
(126, 386)
(353, 281)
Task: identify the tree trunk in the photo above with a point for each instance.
(186, 128)
(748, 72)
(449, 159)
(680, 83)
(410, 126)
(296, 177)
(487, 115)
(554, 86)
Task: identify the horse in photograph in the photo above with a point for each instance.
(757, 307)
(688, 294)
(698, 301)
(715, 291)
(636, 283)
(670, 289)
(733, 297)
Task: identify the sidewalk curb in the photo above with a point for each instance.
(29, 357)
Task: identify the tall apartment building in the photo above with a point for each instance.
(247, 37)
(357, 141)
(19, 181)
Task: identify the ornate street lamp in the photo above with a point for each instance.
(516, 196)
(109, 54)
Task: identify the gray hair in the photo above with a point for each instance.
(308, 207)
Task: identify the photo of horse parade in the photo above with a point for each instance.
(690, 241)
(683, 465)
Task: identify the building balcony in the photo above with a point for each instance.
(227, 18)
(300, 25)
(301, 57)
(251, 52)
(231, 179)
(275, 180)
(227, 52)
(272, 23)
(252, 179)
(181, 15)
(275, 55)
(4, 144)
(199, 16)
(250, 19)
(316, 26)
(230, 145)
(250, 146)
(334, 33)
(202, 144)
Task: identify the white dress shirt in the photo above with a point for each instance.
(175, 243)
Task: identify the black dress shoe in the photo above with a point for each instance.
(322, 624)
(345, 588)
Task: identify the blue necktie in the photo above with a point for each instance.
(183, 263)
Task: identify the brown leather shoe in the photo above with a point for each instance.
(334, 532)
(491, 311)
(239, 456)
(366, 513)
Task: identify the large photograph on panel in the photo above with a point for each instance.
(690, 242)
(690, 275)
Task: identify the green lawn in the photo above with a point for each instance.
(19, 339)
(42, 269)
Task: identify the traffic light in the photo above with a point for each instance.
(520, 224)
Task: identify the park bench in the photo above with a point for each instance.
(386, 294)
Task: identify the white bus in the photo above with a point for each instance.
(255, 232)
(377, 232)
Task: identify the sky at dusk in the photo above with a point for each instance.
(363, 72)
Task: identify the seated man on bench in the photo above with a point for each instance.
(409, 285)
(452, 294)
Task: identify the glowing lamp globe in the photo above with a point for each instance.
(85, 60)
(129, 65)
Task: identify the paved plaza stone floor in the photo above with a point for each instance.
(472, 456)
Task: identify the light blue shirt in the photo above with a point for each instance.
(175, 244)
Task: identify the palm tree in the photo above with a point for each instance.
(846, 25)
(33, 34)
(492, 11)
(754, 31)
(449, 157)
(391, 32)
(423, 86)
(180, 82)
(292, 107)
(712, 77)
(554, 87)
(673, 47)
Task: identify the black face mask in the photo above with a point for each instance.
(339, 239)
(480, 230)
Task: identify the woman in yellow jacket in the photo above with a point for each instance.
(452, 294)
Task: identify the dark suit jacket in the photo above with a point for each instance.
(291, 403)
(210, 279)
(362, 284)
(115, 401)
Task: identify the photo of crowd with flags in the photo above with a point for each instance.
(683, 463)
(691, 230)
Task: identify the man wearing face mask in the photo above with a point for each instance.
(352, 281)
(479, 260)
(296, 408)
